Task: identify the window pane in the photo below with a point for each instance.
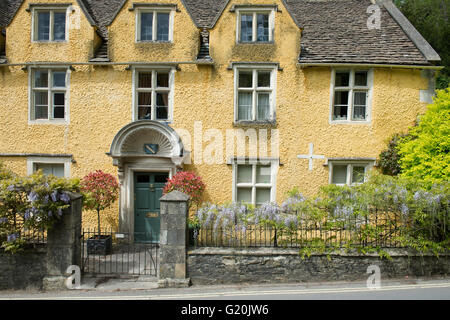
(358, 174)
(339, 174)
(162, 79)
(361, 78)
(41, 105)
(162, 113)
(58, 105)
(342, 79)
(41, 79)
(43, 31)
(264, 79)
(41, 98)
(359, 105)
(144, 113)
(263, 174)
(59, 79)
(163, 27)
(161, 178)
(263, 106)
(58, 113)
(145, 80)
(340, 105)
(244, 174)
(245, 106)
(145, 98)
(59, 26)
(341, 97)
(146, 26)
(245, 79)
(244, 195)
(246, 27)
(162, 99)
(262, 196)
(262, 27)
(56, 169)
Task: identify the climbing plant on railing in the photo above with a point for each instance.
(30, 205)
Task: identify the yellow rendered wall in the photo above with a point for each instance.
(101, 101)
(20, 47)
(123, 47)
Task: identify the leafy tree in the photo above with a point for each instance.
(30, 205)
(431, 19)
(389, 158)
(101, 189)
(189, 183)
(425, 152)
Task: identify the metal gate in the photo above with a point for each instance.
(114, 253)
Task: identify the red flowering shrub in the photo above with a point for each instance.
(187, 182)
(100, 190)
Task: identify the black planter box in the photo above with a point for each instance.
(99, 245)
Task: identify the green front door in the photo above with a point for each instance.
(148, 188)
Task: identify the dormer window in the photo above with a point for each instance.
(255, 25)
(154, 25)
(49, 25)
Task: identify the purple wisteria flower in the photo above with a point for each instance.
(291, 221)
(60, 212)
(3, 220)
(54, 196)
(11, 187)
(290, 202)
(267, 212)
(404, 209)
(33, 196)
(65, 197)
(12, 237)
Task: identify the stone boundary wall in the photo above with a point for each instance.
(45, 265)
(23, 270)
(273, 265)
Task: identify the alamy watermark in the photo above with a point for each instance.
(374, 280)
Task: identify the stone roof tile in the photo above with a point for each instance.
(335, 31)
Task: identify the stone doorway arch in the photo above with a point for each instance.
(143, 146)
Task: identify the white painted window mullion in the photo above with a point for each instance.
(254, 183)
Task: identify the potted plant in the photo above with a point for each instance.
(100, 190)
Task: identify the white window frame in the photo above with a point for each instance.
(255, 90)
(274, 165)
(136, 90)
(32, 161)
(52, 10)
(255, 12)
(352, 88)
(50, 90)
(368, 165)
(155, 11)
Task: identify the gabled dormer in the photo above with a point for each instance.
(53, 31)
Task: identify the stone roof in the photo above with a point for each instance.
(205, 13)
(8, 9)
(333, 31)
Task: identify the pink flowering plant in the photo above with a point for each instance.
(30, 206)
(188, 183)
(100, 189)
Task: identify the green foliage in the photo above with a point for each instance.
(389, 158)
(384, 212)
(425, 151)
(100, 190)
(30, 205)
(431, 19)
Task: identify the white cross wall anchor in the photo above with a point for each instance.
(310, 156)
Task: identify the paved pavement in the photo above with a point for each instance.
(145, 288)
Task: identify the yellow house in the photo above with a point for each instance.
(255, 96)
